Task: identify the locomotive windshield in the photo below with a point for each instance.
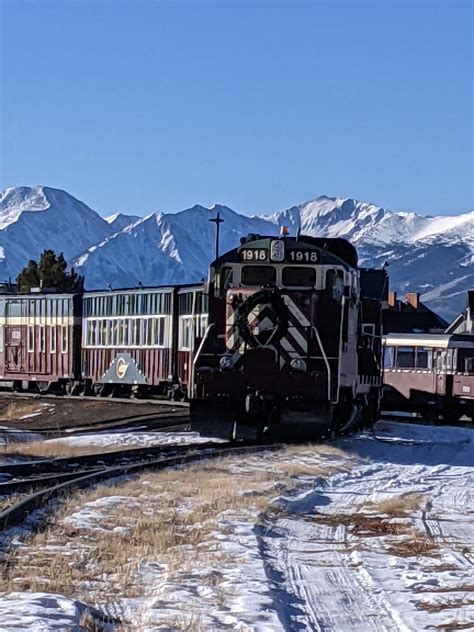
(258, 275)
(298, 277)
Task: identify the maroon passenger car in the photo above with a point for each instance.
(140, 340)
(40, 339)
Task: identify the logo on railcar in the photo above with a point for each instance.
(121, 367)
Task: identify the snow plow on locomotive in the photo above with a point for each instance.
(293, 343)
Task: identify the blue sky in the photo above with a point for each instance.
(146, 105)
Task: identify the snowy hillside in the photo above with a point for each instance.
(35, 218)
(433, 255)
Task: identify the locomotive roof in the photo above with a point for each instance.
(435, 341)
(336, 246)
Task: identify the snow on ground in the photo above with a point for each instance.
(374, 533)
(129, 438)
(43, 612)
(18, 435)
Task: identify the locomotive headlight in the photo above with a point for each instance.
(226, 362)
(297, 364)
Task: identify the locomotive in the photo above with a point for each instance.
(292, 348)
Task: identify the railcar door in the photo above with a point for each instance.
(15, 349)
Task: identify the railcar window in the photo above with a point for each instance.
(423, 358)
(52, 338)
(389, 357)
(406, 357)
(64, 338)
(31, 338)
(258, 275)
(296, 276)
(42, 339)
(185, 333)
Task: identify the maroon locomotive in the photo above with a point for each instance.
(293, 344)
(431, 374)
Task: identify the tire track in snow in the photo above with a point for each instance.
(329, 578)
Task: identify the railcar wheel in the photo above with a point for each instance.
(98, 389)
(452, 416)
(431, 415)
(43, 387)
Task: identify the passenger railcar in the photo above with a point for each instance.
(140, 339)
(40, 340)
(291, 345)
(431, 374)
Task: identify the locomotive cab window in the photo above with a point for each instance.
(296, 276)
(258, 275)
(335, 285)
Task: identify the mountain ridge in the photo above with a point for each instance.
(430, 254)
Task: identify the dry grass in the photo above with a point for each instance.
(168, 516)
(446, 604)
(414, 544)
(8, 501)
(402, 505)
(166, 520)
(362, 524)
(455, 625)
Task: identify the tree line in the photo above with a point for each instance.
(49, 272)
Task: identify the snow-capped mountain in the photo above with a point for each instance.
(433, 255)
(35, 218)
(119, 221)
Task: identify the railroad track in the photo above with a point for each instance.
(168, 418)
(54, 477)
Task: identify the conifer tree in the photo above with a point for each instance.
(50, 272)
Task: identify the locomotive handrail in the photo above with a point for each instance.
(196, 357)
(203, 341)
(325, 358)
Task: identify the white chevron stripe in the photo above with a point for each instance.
(297, 313)
(296, 334)
(288, 348)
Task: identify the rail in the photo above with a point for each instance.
(17, 512)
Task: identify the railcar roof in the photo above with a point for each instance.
(145, 288)
(436, 341)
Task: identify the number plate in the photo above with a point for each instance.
(303, 256)
(254, 254)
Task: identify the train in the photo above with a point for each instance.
(285, 338)
(430, 374)
(293, 342)
(130, 342)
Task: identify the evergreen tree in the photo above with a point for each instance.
(50, 272)
(28, 277)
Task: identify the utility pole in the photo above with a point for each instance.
(217, 220)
